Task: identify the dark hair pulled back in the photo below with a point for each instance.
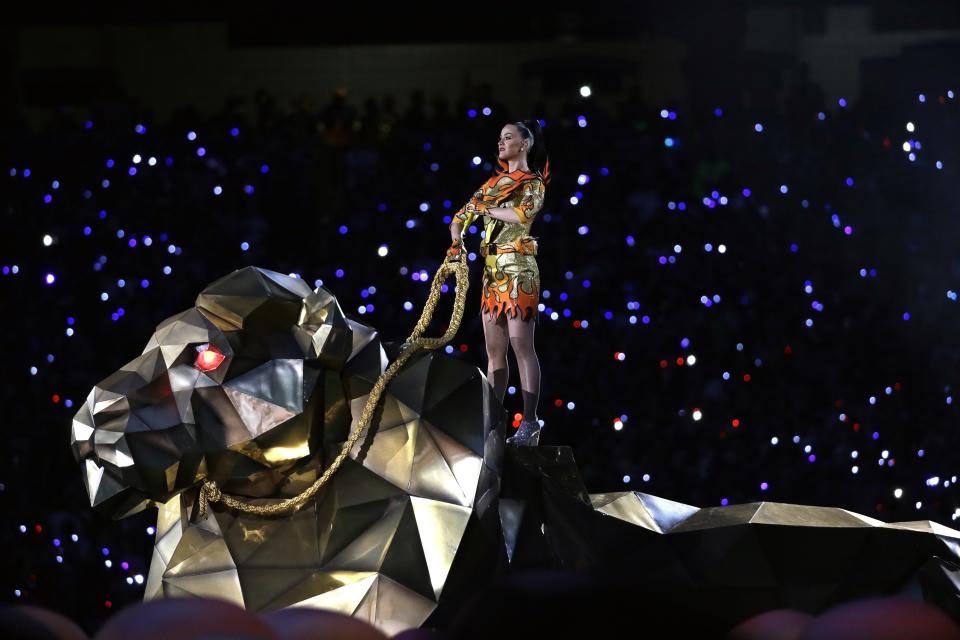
(537, 157)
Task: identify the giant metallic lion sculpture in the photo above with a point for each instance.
(257, 387)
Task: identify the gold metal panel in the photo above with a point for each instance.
(441, 527)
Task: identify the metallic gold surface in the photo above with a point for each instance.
(381, 540)
(210, 490)
(728, 562)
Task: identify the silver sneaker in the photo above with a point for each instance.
(527, 435)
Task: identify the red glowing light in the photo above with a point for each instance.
(576, 324)
(38, 528)
(746, 377)
(209, 357)
(107, 604)
(735, 423)
(663, 364)
(897, 386)
(856, 426)
(558, 402)
(56, 397)
(517, 417)
(680, 362)
(463, 348)
(788, 350)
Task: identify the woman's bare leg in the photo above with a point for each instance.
(496, 337)
(521, 339)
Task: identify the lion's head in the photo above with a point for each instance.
(231, 389)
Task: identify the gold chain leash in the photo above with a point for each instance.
(211, 493)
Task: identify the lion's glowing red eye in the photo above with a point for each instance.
(208, 357)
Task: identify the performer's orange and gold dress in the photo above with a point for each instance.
(511, 278)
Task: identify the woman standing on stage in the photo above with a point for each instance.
(510, 292)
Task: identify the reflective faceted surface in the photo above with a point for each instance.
(411, 508)
(724, 563)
